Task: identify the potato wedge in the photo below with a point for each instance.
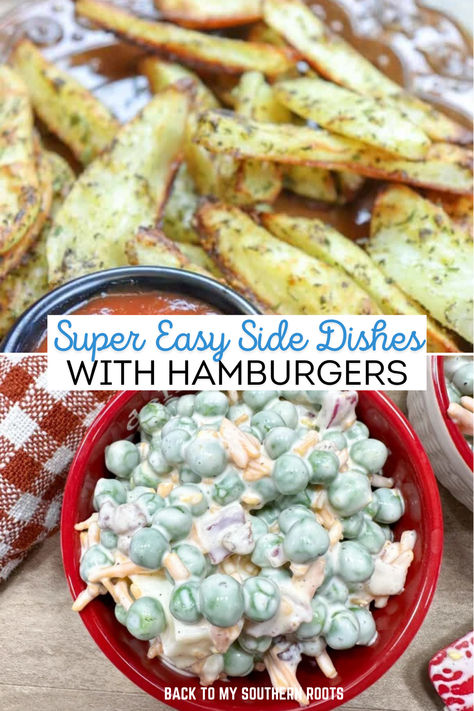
(178, 215)
(255, 99)
(161, 74)
(210, 14)
(311, 182)
(415, 243)
(223, 132)
(152, 248)
(20, 193)
(458, 207)
(25, 284)
(322, 241)
(361, 117)
(125, 187)
(9, 260)
(282, 277)
(71, 112)
(337, 60)
(217, 53)
(200, 258)
(348, 184)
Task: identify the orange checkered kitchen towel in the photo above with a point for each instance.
(39, 434)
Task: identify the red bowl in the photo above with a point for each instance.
(358, 668)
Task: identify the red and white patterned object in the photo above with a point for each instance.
(39, 434)
(452, 670)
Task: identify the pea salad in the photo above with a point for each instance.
(246, 529)
(459, 375)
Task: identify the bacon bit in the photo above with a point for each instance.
(309, 441)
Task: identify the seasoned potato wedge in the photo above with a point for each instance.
(284, 278)
(223, 132)
(210, 14)
(9, 260)
(335, 59)
(29, 280)
(161, 73)
(125, 187)
(152, 248)
(415, 243)
(361, 117)
(255, 99)
(311, 182)
(458, 207)
(71, 112)
(20, 193)
(322, 241)
(348, 185)
(218, 53)
(177, 223)
(200, 258)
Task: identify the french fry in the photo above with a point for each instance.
(322, 241)
(347, 113)
(217, 53)
(124, 188)
(311, 182)
(335, 59)
(153, 248)
(223, 132)
(210, 14)
(11, 259)
(20, 192)
(415, 243)
(71, 112)
(284, 278)
(29, 280)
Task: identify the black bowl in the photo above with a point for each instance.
(28, 331)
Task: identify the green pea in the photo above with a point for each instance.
(334, 589)
(254, 645)
(184, 602)
(349, 492)
(357, 431)
(266, 489)
(370, 454)
(211, 404)
(305, 541)
(291, 515)
(290, 474)
(150, 503)
(287, 412)
(152, 417)
(269, 513)
(259, 527)
(157, 461)
(268, 550)
(144, 476)
(388, 533)
(236, 411)
(136, 492)
(237, 662)
(372, 537)
(453, 393)
(372, 508)
(109, 490)
(354, 562)
(191, 496)
(252, 431)
(227, 488)
(308, 630)
(148, 547)
(343, 631)
(280, 576)
(336, 437)
(257, 399)
(172, 405)
(463, 378)
(187, 476)
(146, 618)
(352, 525)
(174, 522)
(324, 467)
(366, 622)
(261, 598)
(278, 441)
(95, 557)
(108, 539)
(206, 456)
(302, 498)
(390, 505)
(188, 424)
(192, 559)
(185, 406)
(221, 600)
(121, 457)
(173, 444)
(266, 420)
(120, 614)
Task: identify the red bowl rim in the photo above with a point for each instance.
(91, 617)
(442, 398)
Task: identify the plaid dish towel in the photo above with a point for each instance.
(39, 434)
